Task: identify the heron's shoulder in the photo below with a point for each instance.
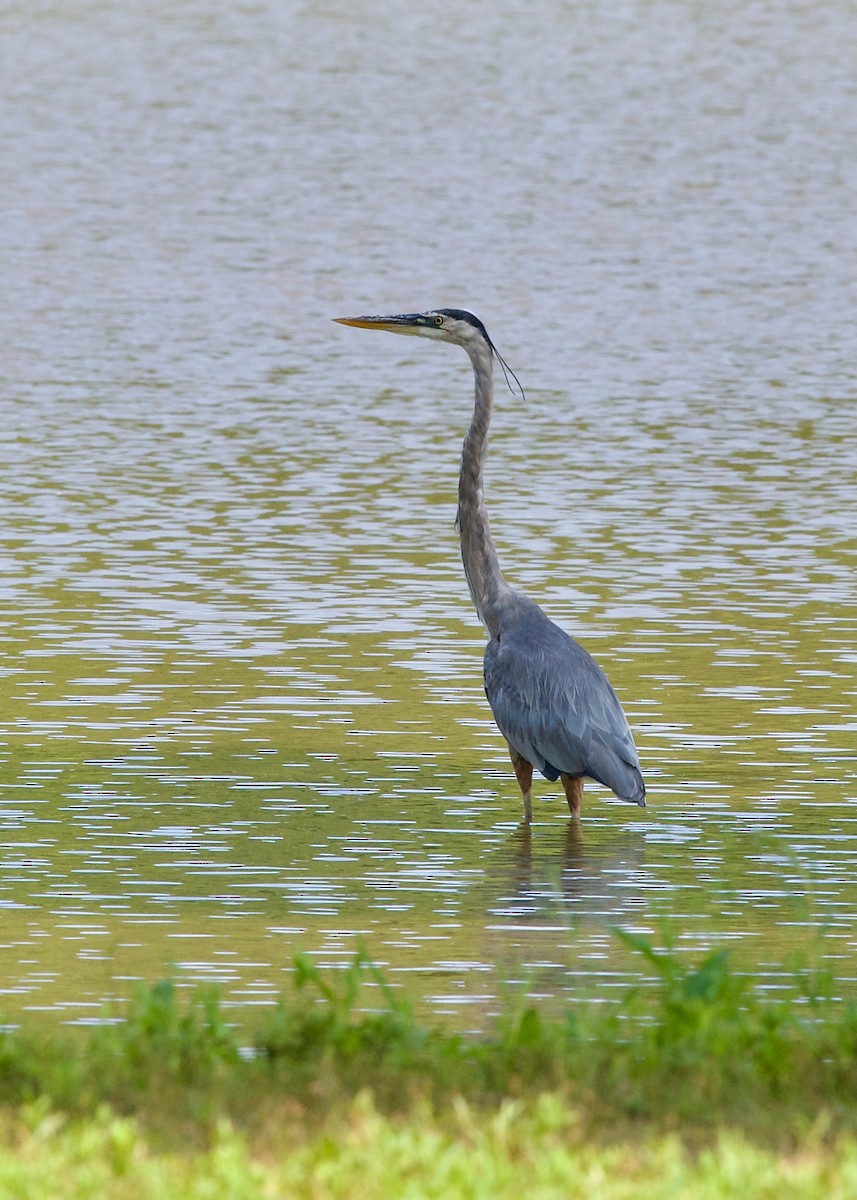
(523, 623)
(538, 652)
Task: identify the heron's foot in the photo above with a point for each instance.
(573, 787)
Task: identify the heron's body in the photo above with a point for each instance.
(555, 706)
(550, 699)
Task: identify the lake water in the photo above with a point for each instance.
(241, 710)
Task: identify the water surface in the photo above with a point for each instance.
(240, 691)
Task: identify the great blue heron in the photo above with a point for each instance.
(550, 699)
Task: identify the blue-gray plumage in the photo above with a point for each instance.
(554, 705)
(550, 699)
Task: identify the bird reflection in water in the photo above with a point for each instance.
(569, 876)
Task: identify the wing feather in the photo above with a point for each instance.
(555, 706)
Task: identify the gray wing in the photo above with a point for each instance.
(555, 706)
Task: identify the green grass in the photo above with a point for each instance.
(684, 1083)
(534, 1149)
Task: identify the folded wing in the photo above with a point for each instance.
(555, 706)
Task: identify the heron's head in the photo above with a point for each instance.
(454, 325)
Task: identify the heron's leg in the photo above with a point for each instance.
(524, 775)
(573, 786)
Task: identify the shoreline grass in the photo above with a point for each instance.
(701, 1052)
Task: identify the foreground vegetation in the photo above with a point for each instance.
(534, 1150)
(679, 1086)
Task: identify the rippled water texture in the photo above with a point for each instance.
(241, 679)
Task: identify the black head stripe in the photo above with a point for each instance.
(461, 314)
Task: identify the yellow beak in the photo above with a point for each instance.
(402, 323)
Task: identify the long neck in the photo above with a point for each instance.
(484, 577)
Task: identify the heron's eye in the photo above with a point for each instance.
(438, 320)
